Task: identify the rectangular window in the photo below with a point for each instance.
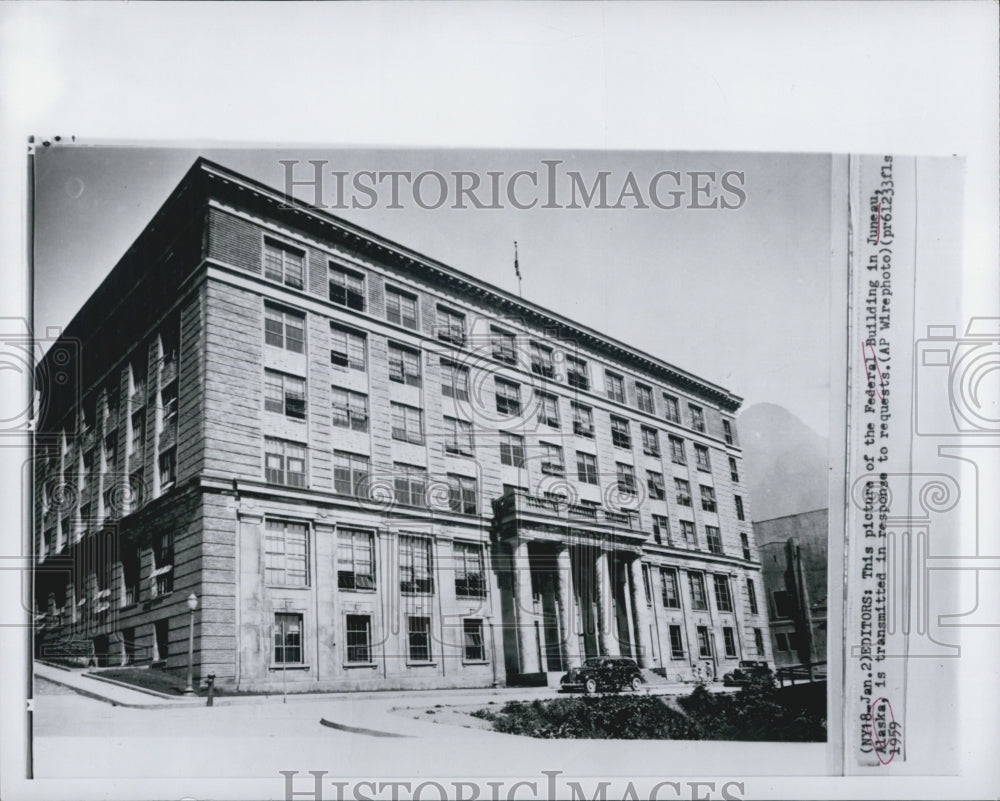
(723, 598)
(504, 346)
(677, 455)
(752, 596)
(347, 349)
(661, 529)
(415, 565)
(541, 360)
(407, 423)
(508, 397)
(131, 568)
(470, 575)
(88, 468)
(419, 636)
(683, 489)
(137, 433)
(548, 409)
(758, 639)
(162, 577)
(454, 380)
(462, 496)
(614, 385)
(699, 600)
(410, 484)
(671, 408)
(347, 287)
(783, 606)
(745, 545)
(457, 437)
(577, 374)
(110, 451)
(734, 472)
(168, 469)
(707, 498)
(701, 457)
(284, 462)
(644, 398)
(620, 435)
(355, 559)
(713, 538)
(285, 329)
(586, 467)
(654, 481)
(168, 401)
(511, 449)
(285, 394)
(781, 643)
(287, 638)
(472, 631)
(283, 263)
(671, 589)
(739, 508)
(697, 417)
(626, 477)
(404, 365)
(704, 643)
(350, 474)
(729, 638)
(350, 409)
(552, 459)
(583, 420)
(286, 554)
(650, 441)
(359, 639)
(688, 535)
(727, 432)
(401, 308)
(676, 643)
(137, 484)
(450, 326)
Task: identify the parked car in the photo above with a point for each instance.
(608, 674)
(748, 670)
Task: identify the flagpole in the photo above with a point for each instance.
(517, 269)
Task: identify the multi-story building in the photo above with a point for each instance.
(793, 552)
(372, 470)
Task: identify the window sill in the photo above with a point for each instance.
(475, 661)
(296, 666)
(287, 586)
(410, 664)
(362, 590)
(352, 665)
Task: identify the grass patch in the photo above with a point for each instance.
(753, 714)
(157, 679)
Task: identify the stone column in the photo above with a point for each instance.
(608, 621)
(641, 612)
(527, 645)
(570, 641)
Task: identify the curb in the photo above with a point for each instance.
(97, 696)
(358, 730)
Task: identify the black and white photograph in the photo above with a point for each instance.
(429, 418)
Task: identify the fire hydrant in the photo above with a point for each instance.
(210, 683)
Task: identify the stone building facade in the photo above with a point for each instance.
(372, 470)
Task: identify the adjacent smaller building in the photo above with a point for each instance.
(793, 552)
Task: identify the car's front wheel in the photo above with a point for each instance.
(635, 684)
(590, 686)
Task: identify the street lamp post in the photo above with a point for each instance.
(192, 602)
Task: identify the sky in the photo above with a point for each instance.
(740, 297)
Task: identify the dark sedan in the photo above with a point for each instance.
(748, 670)
(607, 674)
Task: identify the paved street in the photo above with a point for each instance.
(77, 736)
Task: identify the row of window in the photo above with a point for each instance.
(706, 648)
(288, 639)
(286, 561)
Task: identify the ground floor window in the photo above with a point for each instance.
(287, 638)
(730, 640)
(359, 638)
(161, 639)
(676, 643)
(704, 642)
(758, 637)
(474, 648)
(419, 629)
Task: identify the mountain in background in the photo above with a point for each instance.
(786, 462)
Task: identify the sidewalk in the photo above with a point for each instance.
(81, 682)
